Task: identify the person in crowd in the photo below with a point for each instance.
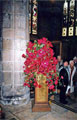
(63, 73)
(75, 85)
(72, 70)
(58, 66)
(60, 63)
(75, 78)
(75, 62)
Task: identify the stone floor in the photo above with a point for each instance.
(71, 105)
(24, 112)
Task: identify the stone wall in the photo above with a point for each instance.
(14, 36)
(1, 75)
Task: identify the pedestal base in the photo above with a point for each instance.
(40, 107)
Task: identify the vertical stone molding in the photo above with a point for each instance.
(1, 75)
(15, 35)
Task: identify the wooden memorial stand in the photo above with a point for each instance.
(40, 104)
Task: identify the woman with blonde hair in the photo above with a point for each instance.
(72, 70)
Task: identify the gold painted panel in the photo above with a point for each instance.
(41, 94)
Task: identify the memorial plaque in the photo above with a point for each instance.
(41, 94)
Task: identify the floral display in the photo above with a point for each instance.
(39, 59)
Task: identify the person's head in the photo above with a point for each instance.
(59, 58)
(75, 59)
(71, 63)
(65, 64)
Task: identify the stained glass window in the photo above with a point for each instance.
(65, 18)
(76, 19)
(69, 26)
(71, 18)
(33, 16)
(30, 16)
(76, 27)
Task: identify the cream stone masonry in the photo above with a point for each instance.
(15, 35)
(1, 73)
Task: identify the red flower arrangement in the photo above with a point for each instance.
(40, 58)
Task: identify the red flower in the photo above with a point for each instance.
(31, 81)
(23, 55)
(47, 82)
(25, 84)
(30, 45)
(31, 75)
(45, 63)
(62, 77)
(41, 52)
(39, 86)
(35, 84)
(56, 82)
(53, 90)
(28, 85)
(42, 41)
(51, 87)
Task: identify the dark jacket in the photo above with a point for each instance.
(64, 73)
(75, 79)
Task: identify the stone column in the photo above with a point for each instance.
(0, 47)
(15, 36)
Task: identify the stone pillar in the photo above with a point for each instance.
(15, 36)
(0, 47)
